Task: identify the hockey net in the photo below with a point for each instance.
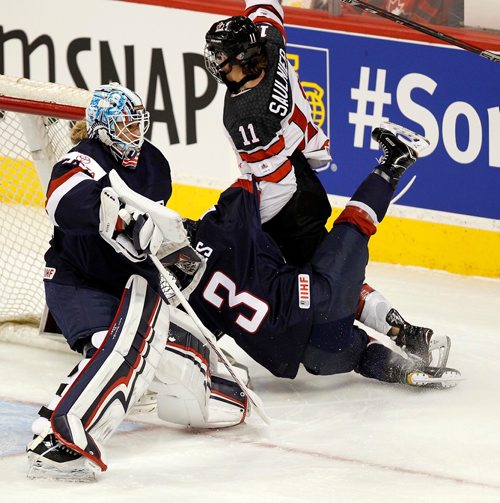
(35, 123)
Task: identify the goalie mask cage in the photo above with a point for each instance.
(35, 123)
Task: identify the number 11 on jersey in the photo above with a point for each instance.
(252, 135)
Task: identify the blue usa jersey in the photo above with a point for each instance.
(77, 254)
(248, 291)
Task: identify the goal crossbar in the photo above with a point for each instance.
(34, 107)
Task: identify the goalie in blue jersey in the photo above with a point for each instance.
(106, 199)
(102, 293)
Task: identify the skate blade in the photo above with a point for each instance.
(439, 350)
(415, 141)
(449, 379)
(39, 469)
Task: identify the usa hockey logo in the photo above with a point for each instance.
(304, 291)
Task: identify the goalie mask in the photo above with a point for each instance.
(235, 40)
(116, 117)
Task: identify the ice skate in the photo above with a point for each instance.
(401, 148)
(420, 343)
(433, 377)
(49, 459)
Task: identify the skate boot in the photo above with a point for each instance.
(49, 459)
(433, 377)
(421, 344)
(401, 148)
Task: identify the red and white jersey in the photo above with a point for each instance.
(268, 123)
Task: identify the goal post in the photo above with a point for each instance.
(35, 123)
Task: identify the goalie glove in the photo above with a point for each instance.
(129, 231)
(145, 235)
(111, 226)
(159, 227)
(136, 227)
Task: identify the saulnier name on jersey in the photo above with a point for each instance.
(280, 102)
(268, 123)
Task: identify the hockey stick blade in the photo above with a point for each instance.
(211, 341)
(424, 29)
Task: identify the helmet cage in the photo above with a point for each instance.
(215, 60)
(235, 40)
(117, 118)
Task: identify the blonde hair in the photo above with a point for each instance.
(79, 132)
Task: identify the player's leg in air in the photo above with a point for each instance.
(336, 344)
(121, 352)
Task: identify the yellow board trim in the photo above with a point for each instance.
(403, 241)
(460, 250)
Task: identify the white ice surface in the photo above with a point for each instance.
(332, 439)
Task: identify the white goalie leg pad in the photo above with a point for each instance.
(374, 309)
(188, 397)
(43, 461)
(117, 374)
(193, 388)
(43, 421)
(182, 379)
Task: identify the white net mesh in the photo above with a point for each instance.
(29, 145)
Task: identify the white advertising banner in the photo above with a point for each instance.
(155, 50)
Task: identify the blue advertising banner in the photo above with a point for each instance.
(453, 97)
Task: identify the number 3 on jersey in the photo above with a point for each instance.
(234, 299)
(251, 134)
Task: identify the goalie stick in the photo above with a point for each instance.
(424, 29)
(211, 341)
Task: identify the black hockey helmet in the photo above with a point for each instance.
(235, 40)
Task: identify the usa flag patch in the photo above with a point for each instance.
(304, 291)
